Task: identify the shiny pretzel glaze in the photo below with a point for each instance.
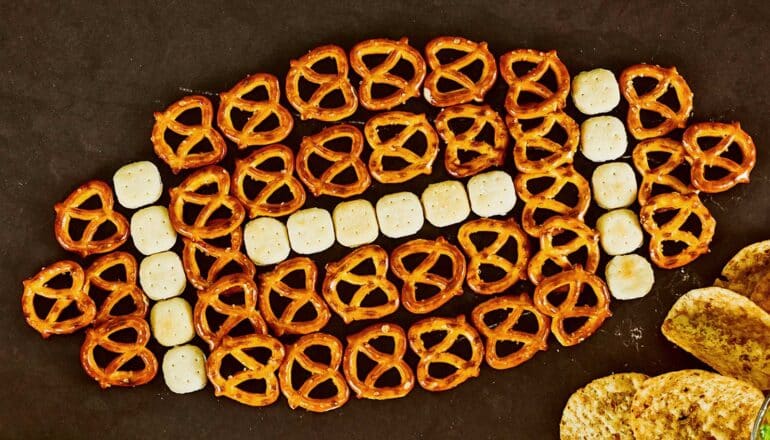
(469, 90)
(729, 134)
(222, 258)
(551, 100)
(534, 139)
(661, 174)
(585, 238)
(118, 289)
(489, 155)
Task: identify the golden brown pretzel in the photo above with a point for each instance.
(559, 254)
(395, 51)
(117, 289)
(469, 90)
(71, 208)
(454, 329)
(222, 258)
(180, 158)
(702, 159)
(488, 155)
(550, 100)
(535, 139)
(660, 175)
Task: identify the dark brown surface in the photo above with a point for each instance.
(79, 84)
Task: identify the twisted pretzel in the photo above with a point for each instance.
(118, 289)
(181, 158)
(395, 51)
(488, 155)
(650, 101)
(396, 146)
(551, 100)
(343, 271)
(454, 330)
(535, 140)
(661, 174)
(574, 282)
(223, 257)
(71, 208)
(559, 254)
(319, 373)
(469, 90)
(730, 134)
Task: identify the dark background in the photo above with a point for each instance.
(79, 83)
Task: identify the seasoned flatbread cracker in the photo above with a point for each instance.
(748, 273)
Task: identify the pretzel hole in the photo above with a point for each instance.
(579, 257)
(299, 376)
(541, 215)
(465, 156)
(258, 93)
(650, 119)
(203, 146)
(557, 134)
(449, 55)
(244, 328)
(253, 386)
(223, 212)
(136, 363)
(505, 347)
(326, 66)
(204, 262)
(321, 354)
(587, 296)
(105, 231)
(574, 323)
(474, 70)
(432, 338)
(444, 267)
(550, 268)
(535, 153)
(654, 159)
(124, 307)
(333, 99)
(191, 116)
(662, 217)
(521, 68)
(441, 370)
(92, 203)
(364, 267)
(403, 69)
(318, 164)
(324, 390)
(214, 319)
(383, 344)
(76, 228)
(670, 248)
(375, 298)
(682, 172)
(306, 88)
(423, 291)
(389, 379)
(42, 305)
(447, 85)
(126, 335)
(528, 124)
(528, 98)
(643, 84)
(373, 60)
(296, 279)
(103, 357)
(270, 123)
(115, 273)
(259, 354)
(527, 323)
(539, 184)
(97, 294)
(172, 138)
(252, 188)
(461, 348)
(345, 291)
(384, 90)
(239, 117)
(70, 312)
(306, 313)
(569, 194)
(390, 131)
(60, 281)
(557, 296)
(411, 261)
(278, 303)
(490, 273)
(486, 134)
(495, 317)
(549, 80)
(229, 366)
(670, 99)
(394, 163)
(693, 225)
(715, 172)
(417, 143)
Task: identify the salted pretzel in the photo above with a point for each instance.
(50, 324)
(535, 140)
(705, 158)
(319, 372)
(487, 155)
(249, 168)
(686, 205)
(660, 175)
(191, 192)
(112, 374)
(250, 134)
(395, 52)
(423, 274)
(360, 344)
(396, 147)
(223, 257)
(180, 157)
(284, 321)
(339, 162)
(469, 90)
(573, 282)
(559, 253)
(118, 289)
(546, 199)
(72, 209)
(530, 83)
(454, 330)
(328, 83)
(342, 271)
(514, 267)
(649, 101)
(529, 341)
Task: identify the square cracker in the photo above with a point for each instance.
(445, 203)
(184, 369)
(171, 321)
(137, 184)
(491, 193)
(310, 231)
(162, 276)
(267, 241)
(355, 223)
(151, 230)
(595, 91)
(399, 214)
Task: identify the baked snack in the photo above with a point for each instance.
(748, 273)
(184, 369)
(554, 250)
(491, 193)
(204, 261)
(445, 203)
(266, 240)
(171, 321)
(487, 153)
(355, 223)
(113, 277)
(537, 148)
(706, 158)
(411, 162)
(595, 91)
(629, 276)
(162, 275)
(619, 232)
(137, 184)
(603, 138)
(613, 185)
(531, 83)
(466, 89)
(310, 231)
(151, 230)
(656, 174)
(399, 214)
(361, 344)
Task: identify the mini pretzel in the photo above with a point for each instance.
(340, 162)
(469, 90)
(396, 146)
(551, 100)
(514, 269)
(319, 373)
(112, 374)
(181, 158)
(395, 51)
(343, 271)
(574, 282)
(454, 330)
(505, 331)
(327, 83)
(729, 134)
(650, 101)
(535, 140)
(249, 168)
(559, 254)
(661, 174)
(488, 155)
(448, 287)
(71, 208)
(284, 322)
(360, 344)
(253, 370)
(118, 289)
(38, 285)
(223, 257)
(671, 231)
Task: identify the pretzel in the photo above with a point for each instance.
(513, 269)
(469, 90)
(573, 281)
(181, 158)
(284, 322)
(189, 193)
(729, 134)
(661, 174)
(546, 199)
(488, 155)
(360, 344)
(253, 369)
(340, 162)
(117, 289)
(38, 286)
(535, 140)
(260, 111)
(327, 83)
(71, 208)
(685, 205)
(112, 374)
(343, 271)
(249, 168)
(650, 101)
(559, 254)
(319, 373)
(448, 287)
(396, 146)
(395, 52)
(550, 100)
(223, 258)
(529, 342)
(454, 330)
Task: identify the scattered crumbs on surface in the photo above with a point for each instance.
(199, 92)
